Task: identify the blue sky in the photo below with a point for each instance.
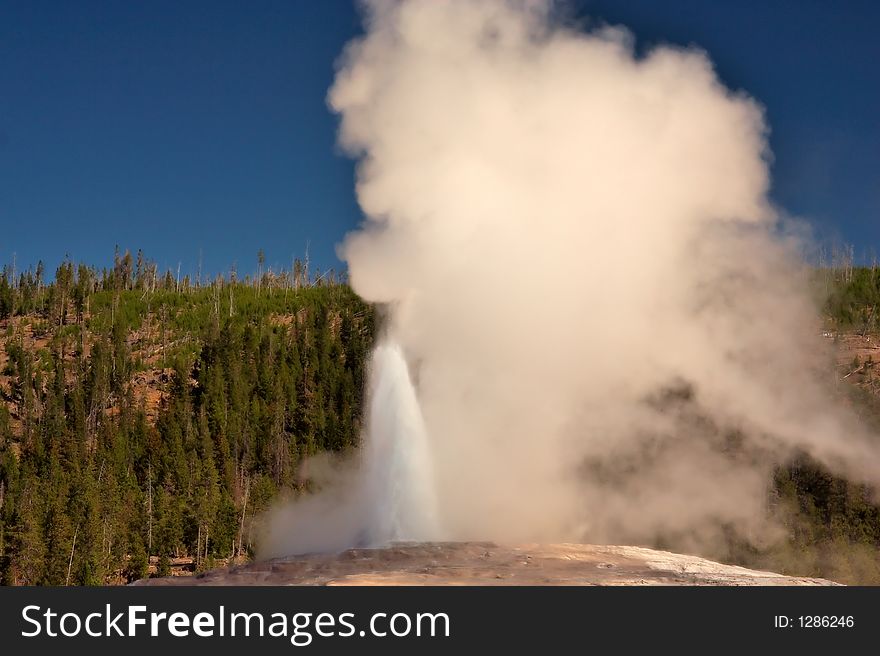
(201, 127)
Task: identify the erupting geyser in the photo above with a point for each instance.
(397, 472)
(386, 494)
(614, 332)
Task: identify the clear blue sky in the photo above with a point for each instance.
(186, 127)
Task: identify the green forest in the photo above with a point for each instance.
(147, 415)
(146, 420)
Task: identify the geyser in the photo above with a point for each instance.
(612, 326)
(397, 477)
(386, 494)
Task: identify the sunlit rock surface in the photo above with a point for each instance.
(486, 563)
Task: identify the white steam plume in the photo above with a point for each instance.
(613, 337)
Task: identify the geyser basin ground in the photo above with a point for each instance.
(487, 563)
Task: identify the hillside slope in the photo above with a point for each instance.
(146, 421)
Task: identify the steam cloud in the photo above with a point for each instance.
(609, 325)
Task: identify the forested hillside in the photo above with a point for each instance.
(144, 415)
(148, 415)
(832, 525)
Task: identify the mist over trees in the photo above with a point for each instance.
(148, 418)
